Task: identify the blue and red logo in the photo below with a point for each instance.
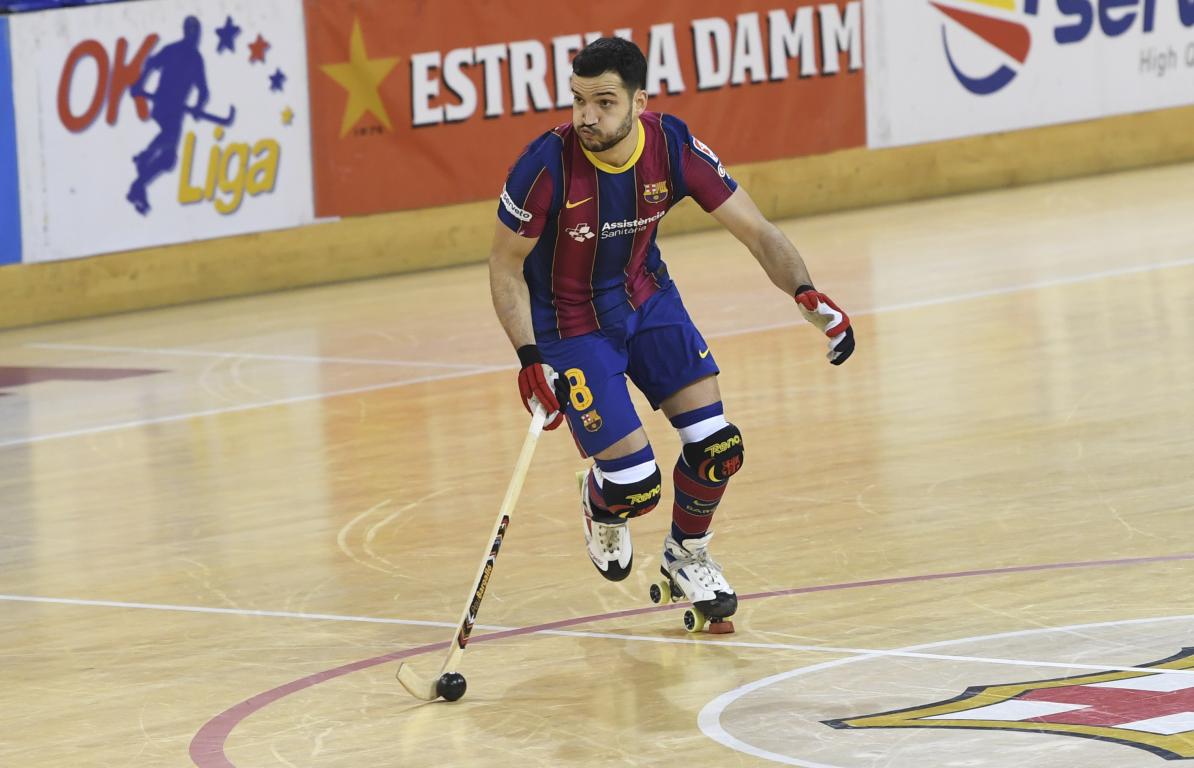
(996, 30)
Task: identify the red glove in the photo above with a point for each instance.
(820, 310)
(539, 384)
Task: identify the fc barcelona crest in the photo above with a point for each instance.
(655, 192)
(1150, 709)
(591, 421)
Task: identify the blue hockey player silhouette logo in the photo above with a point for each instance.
(180, 71)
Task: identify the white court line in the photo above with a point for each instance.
(709, 719)
(237, 408)
(231, 611)
(909, 652)
(180, 352)
(956, 298)
(869, 652)
(972, 295)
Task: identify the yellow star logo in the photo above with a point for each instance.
(361, 77)
(287, 116)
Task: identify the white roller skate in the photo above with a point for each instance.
(691, 574)
(608, 543)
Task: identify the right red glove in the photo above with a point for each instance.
(538, 383)
(833, 321)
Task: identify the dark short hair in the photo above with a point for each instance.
(613, 54)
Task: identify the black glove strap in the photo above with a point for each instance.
(528, 354)
(803, 288)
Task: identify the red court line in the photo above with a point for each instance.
(207, 747)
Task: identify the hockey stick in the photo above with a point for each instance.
(448, 684)
(195, 112)
(199, 114)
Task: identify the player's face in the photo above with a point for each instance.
(603, 112)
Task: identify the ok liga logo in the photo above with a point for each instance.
(182, 84)
(985, 43)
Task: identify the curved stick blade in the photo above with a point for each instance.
(414, 683)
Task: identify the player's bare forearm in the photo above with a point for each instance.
(511, 302)
(781, 261)
(773, 250)
(508, 288)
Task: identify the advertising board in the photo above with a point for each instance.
(419, 104)
(942, 69)
(159, 122)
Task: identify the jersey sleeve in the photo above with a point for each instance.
(526, 198)
(705, 177)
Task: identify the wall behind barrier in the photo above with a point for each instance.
(104, 170)
(430, 104)
(416, 103)
(38, 5)
(10, 206)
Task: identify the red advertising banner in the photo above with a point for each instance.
(418, 104)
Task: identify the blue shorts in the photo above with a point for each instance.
(657, 346)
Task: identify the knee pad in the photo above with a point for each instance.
(633, 499)
(718, 456)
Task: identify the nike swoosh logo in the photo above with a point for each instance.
(580, 202)
(704, 353)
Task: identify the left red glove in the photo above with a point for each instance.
(820, 310)
(539, 384)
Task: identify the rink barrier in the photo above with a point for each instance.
(408, 241)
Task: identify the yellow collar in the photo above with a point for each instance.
(601, 165)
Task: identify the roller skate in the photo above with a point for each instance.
(689, 573)
(607, 538)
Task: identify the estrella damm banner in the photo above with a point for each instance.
(419, 104)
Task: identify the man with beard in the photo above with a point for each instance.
(579, 286)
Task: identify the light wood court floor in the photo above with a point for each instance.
(224, 524)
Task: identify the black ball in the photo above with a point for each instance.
(450, 686)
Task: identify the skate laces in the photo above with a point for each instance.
(609, 536)
(708, 570)
(698, 564)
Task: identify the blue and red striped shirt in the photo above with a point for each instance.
(596, 259)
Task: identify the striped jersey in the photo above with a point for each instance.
(595, 260)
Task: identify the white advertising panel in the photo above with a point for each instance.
(157, 122)
(941, 69)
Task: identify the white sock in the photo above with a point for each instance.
(630, 474)
(702, 429)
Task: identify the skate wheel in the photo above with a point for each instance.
(656, 594)
(694, 621)
(721, 627)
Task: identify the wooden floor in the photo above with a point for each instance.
(225, 524)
